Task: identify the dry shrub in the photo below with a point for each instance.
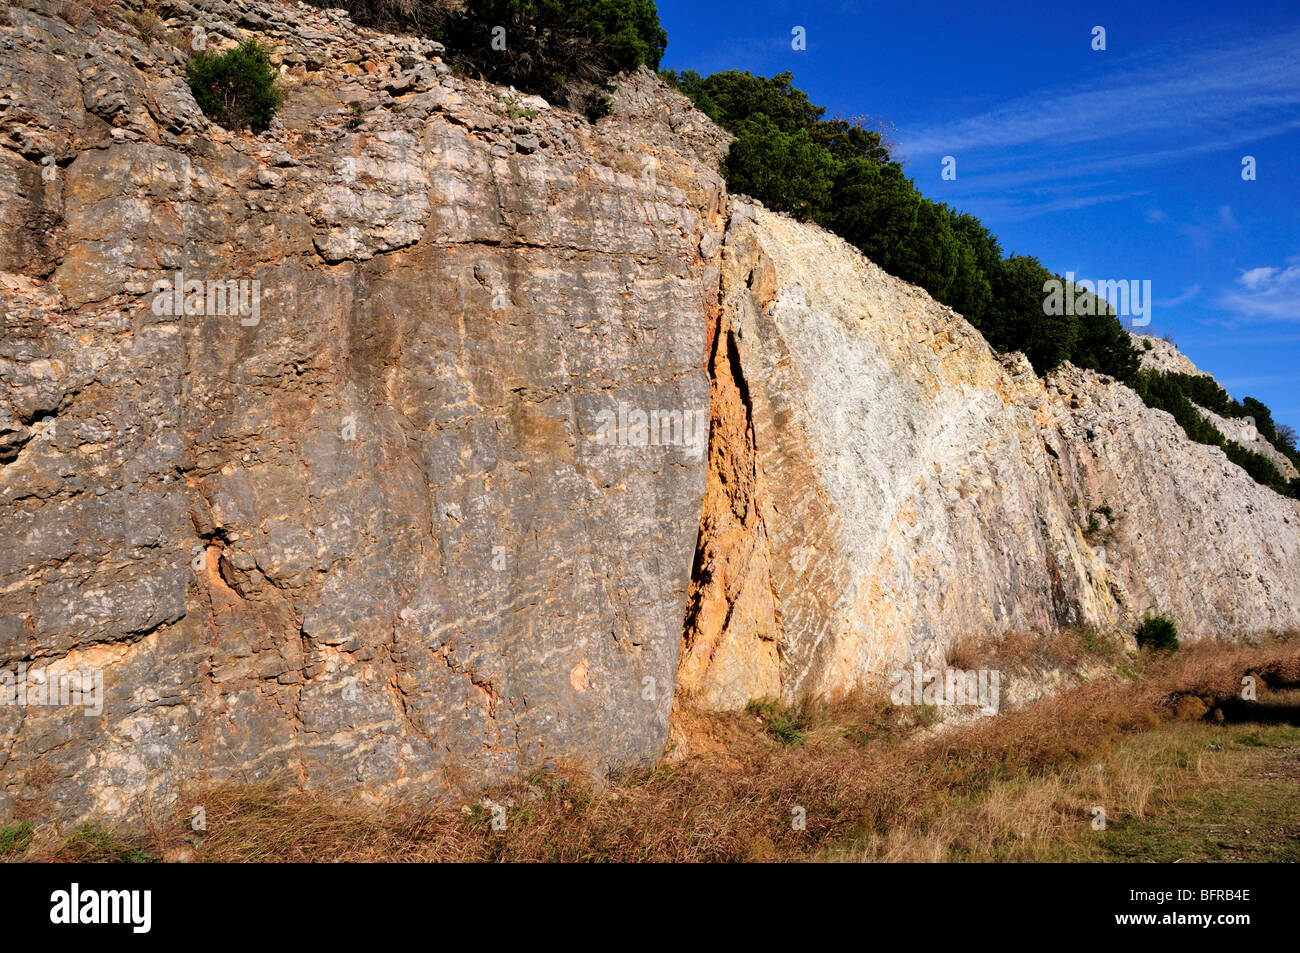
(74, 12)
(1069, 649)
(148, 24)
(77, 12)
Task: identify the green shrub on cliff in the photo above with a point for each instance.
(550, 47)
(235, 89)
(1157, 633)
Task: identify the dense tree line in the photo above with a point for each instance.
(564, 50)
(840, 175)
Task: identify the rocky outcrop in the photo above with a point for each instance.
(905, 480)
(1162, 355)
(1193, 535)
(323, 446)
(1243, 431)
(885, 486)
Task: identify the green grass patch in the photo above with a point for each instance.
(14, 838)
(92, 843)
(787, 725)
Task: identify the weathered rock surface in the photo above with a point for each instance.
(1194, 536)
(906, 487)
(367, 528)
(1158, 354)
(884, 486)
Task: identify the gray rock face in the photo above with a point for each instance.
(310, 441)
(1195, 537)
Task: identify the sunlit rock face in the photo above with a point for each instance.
(884, 486)
(1194, 536)
(908, 493)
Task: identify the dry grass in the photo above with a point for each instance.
(1068, 649)
(148, 24)
(871, 785)
(1045, 816)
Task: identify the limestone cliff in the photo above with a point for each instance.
(372, 530)
(438, 434)
(1161, 355)
(902, 488)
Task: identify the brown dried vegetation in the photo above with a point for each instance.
(872, 780)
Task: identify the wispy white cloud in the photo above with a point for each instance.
(1265, 293)
(1156, 109)
(1187, 295)
(1027, 170)
(1012, 211)
(1210, 91)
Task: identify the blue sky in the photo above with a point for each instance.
(1122, 164)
